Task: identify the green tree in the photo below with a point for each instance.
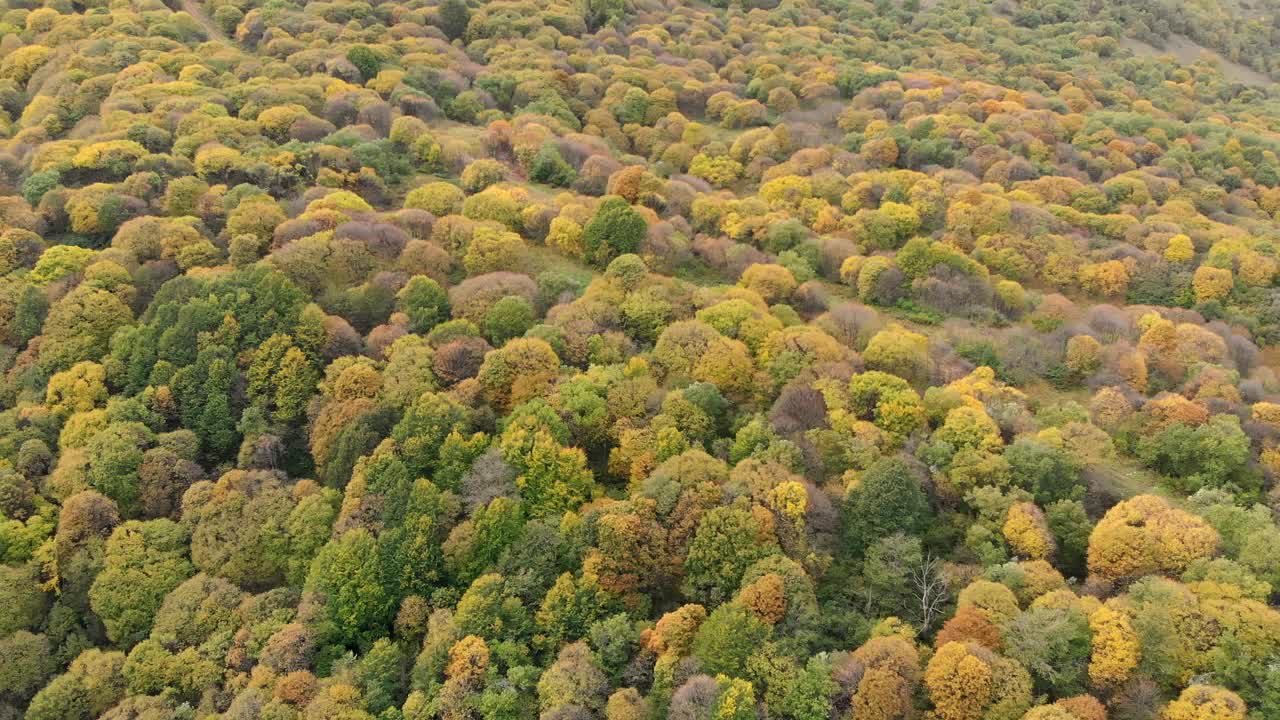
(380, 675)
(728, 540)
(886, 575)
(28, 662)
(196, 610)
(553, 479)
(80, 325)
(728, 638)
(887, 498)
(87, 689)
(1208, 455)
(424, 427)
(366, 60)
(116, 454)
(599, 13)
(425, 302)
(454, 18)
(1070, 525)
(549, 167)
(1054, 645)
(144, 562)
(238, 527)
(510, 317)
(616, 229)
(356, 602)
(294, 383)
(1049, 473)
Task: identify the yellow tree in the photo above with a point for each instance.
(1211, 283)
(889, 679)
(959, 681)
(1180, 249)
(1104, 279)
(1027, 532)
(1115, 647)
(1205, 702)
(1145, 535)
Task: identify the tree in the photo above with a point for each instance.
(86, 690)
(1202, 702)
(1206, 455)
(774, 282)
(356, 602)
(80, 325)
(730, 635)
(469, 659)
(1049, 712)
(574, 680)
(1115, 648)
(510, 317)
(1211, 283)
(887, 498)
(615, 229)
(884, 573)
(553, 479)
(144, 562)
(438, 198)
(79, 389)
(549, 166)
(967, 681)
(959, 681)
(993, 599)
(199, 608)
(116, 454)
(365, 59)
(1180, 249)
(380, 675)
(899, 351)
(1049, 473)
(1105, 279)
(294, 383)
(807, 693)
(424, 301)
(969, 624)
(1027, 532)
(29, 662)
(493, 250)
(598, 13)
(1054, 645)
(929, 591)
(891, 674)
(517, 371)
(728, 540)
(454, 18)
(258, 216)
(1145, 535)
(238, 527)
(1071, 528)
(888, 226)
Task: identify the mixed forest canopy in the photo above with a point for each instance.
(639, 359)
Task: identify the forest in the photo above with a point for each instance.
(639, 359)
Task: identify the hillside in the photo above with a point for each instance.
(639, 359)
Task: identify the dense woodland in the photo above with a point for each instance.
(639, 359)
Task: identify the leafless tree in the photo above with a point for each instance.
(929, 586)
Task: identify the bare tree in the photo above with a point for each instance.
(929, 586)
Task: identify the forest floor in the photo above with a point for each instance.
(1187, 52)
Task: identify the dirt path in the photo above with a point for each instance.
(193, 8)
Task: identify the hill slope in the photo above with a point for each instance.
(639, 359)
